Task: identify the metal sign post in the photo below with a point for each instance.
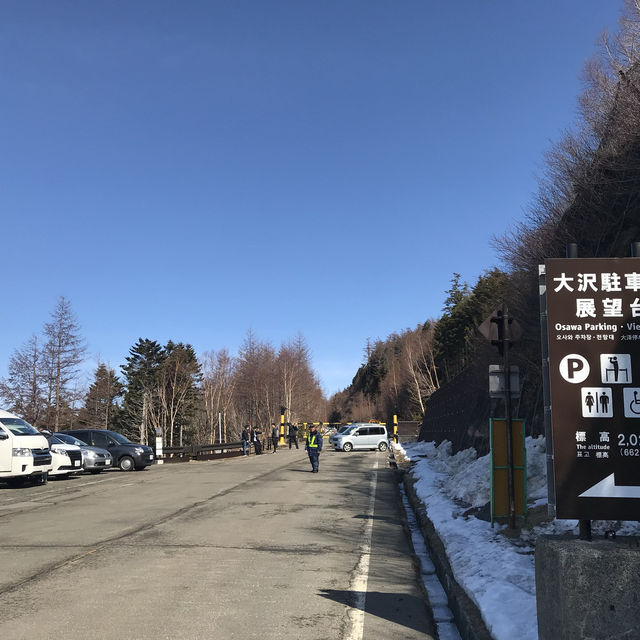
(507, 402)
(593, 320)
(503, 331)
(500, 499)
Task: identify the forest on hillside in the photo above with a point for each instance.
(588, 195)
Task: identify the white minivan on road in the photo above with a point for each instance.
(361, 435)
(24, 451)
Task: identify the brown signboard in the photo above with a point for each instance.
(593, 319)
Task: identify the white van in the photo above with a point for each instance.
(361, 435)
(24, 451)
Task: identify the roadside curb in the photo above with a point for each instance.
(465, 612)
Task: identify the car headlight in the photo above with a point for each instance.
(62, 452)
(89, 454)
(139, 450)
(22, 451)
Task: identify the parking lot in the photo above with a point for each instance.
(242, 548)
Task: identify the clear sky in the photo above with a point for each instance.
(192, 170)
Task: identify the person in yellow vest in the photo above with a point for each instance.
(313, 447)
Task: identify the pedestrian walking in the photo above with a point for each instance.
(314, 447)
(275, 437)
(245, 439)
(293, 435)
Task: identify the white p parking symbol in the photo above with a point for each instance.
(574, 368)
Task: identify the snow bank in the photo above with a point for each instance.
(496, 572)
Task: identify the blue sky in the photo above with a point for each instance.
(193, 170)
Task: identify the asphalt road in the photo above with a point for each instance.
(241, 548)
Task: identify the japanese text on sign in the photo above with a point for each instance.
(604, 282)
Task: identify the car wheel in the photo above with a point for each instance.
(347, 446)
(126, 463)
(382, 446)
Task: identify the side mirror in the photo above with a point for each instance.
(4, 436)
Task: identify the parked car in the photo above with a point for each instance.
(24, 451)
(94, 459)
(361, 435)
(337, 432)
(66, 459)
(126, 454)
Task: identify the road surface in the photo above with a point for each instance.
(242, 548)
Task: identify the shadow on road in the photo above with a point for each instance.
(395, 607)
(365, 516)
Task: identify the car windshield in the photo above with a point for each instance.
(19, 427)
(350, 429)
(67, 439)
(120, 439)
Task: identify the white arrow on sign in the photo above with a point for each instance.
(607, 489)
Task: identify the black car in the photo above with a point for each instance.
(126, 454)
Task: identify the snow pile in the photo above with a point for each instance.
(467, 478)
(536, 449)
(496, 571)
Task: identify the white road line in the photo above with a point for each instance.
(360, 578)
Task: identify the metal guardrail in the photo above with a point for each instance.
(203, 452)
(228, 450)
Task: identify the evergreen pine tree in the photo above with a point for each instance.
(140, 373)
(100, 409)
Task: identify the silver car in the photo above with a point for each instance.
(334, 436)
(94, 459)
(361, 435)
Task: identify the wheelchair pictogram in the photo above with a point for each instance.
(632, 402)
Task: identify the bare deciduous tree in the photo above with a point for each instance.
(23, 390)
(64, 352)
(256, 382)
(298, 384)
(417, 350)
(218, 386)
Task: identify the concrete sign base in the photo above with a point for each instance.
(587, 589)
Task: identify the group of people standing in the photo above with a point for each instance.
(251, 438)
(313, 443)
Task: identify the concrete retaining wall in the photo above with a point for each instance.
(466, 613)
(588, 590)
